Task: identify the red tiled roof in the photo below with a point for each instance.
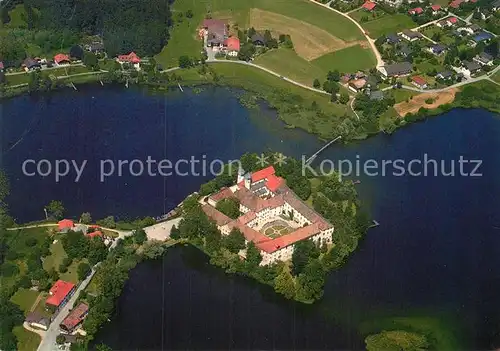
(132, 58)
(417, 10)
(274, 183)
(286, 240)
(262, 174)
(219, 217)
(456, 3)
(210, 22)
(94, 234)
(58, 292)
(223, 194)
(60, 58)
(419, 80)
(1, 65)
(369, 5)
(75, 317)
(452, 20)
(65, 224)
(233, 44)
(436, 7)
(247, 217)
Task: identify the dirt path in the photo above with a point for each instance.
(418, 101)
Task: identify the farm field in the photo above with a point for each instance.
(312, 20)
(388, 24)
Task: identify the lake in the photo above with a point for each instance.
(432, 263)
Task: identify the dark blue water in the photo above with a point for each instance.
(435, 254)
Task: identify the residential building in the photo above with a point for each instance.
(392, 39)
(481, 37)
(30, 64)
(95, 47)
(65, 225)
(436, 9)
(258, 39)
(470, 68)
(74, 319)
(451, 21)
(419, 82)
(59, 294)
(495, 6)
(61, 59)
(357, 85)
(131, 58)
(36, 320)
(393, 3)
(411, 35)
(232, 45)
(264, 200)
(445, 75)
(94, 234)
(216, 31)
(437, 49)
(369, 6)
(484, 59)
(455, 4)
(416, 11)
(399, 69)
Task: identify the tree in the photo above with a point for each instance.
(235, 241)
(184, 62)
(251, 32)
(396, 340)
(284, 284)
(175, 233)
(311, 281)
(76, 51)
(55, 209)
(83, 270)
(90, 60)
(108, 222)
(85, 218)
(316, 83)
(344, 98)
(60, 339)
(140, 236)
(302, 251)
(103, 347)
(253, 257)
(246, 52)
(189, 13)
(230, 207)
(333, 97)
(333, 76)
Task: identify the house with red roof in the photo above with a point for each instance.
(435, 9)
(94, 234)
(455, 4)
(61, 59)
(369, 6)
(416, 11)
(131, 58)
(74, 319)
(419, 82)
(232, 45)
(65, 225)
(1, 66)
(59, 294)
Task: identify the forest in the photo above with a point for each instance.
(124, 26)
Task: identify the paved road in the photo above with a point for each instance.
(380, 62)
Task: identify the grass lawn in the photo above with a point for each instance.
(496, 77)
(349, 59)
(40, 307)
(55, 259)
(401, 94)
(25, 298)
(289, 64)
(26, 340)
(388, 24)
(183, 36)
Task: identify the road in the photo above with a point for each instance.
(380, 62)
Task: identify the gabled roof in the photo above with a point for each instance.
(59, 292)
(445, 74)
(274, 182)
(224, 193)
(61, 58)
(1, 65)
(94, 234)
(452, 20)
(485, 56)
(262, 174)
(398, 68)
(419, 80)
(75, 317)
(482, 36)
(233, 44)
(436, 7)
(416, 10)
(369, 5)
(412, 34)
(65, 224)
(260, 37)
(132, 58)
(219, 217)
(472, 66)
